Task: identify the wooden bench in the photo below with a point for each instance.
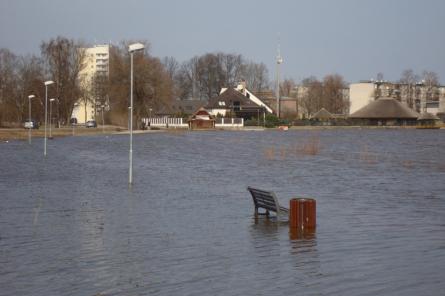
(268, 201)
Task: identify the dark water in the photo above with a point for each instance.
(69, 225)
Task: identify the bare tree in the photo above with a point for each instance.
(187, 79)
(100, 86)
(311, 100)
(409, 79)
(287, 86)
(64, 58)
(210, 75)
(19, 77)
(328, 94)
(8, 82)
(256, 76)
(204, 76)
(153, 87)
(231, 67)
(333, 100)
(29, 81)
(201, 77)
(171, 66)
(431, 80)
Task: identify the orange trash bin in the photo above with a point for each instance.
(302, 214)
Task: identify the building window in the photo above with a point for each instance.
(236, 106)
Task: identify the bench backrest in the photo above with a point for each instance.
(264, 199)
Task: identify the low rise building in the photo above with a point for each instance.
(201, 119)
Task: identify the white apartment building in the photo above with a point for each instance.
(96, 62)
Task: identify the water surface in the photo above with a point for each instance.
(69, 225)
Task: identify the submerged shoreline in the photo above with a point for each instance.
(21, 134)
(12, 134)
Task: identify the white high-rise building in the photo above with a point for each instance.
(96, 62)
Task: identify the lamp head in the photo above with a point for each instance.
(49, 82)
(135, 47)
(31, 96)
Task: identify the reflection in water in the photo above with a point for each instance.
(303, 248)
(37, 211)
(301, 257)
(301, 234)
(265, 226)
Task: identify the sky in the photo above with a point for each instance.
(354, 38)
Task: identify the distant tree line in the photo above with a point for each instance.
(157, 82)
(21, 76)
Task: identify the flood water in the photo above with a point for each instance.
(69, 225)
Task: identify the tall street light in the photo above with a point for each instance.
(103, 121)
(277, 91)
(50, 118)
(49, 82)
(74, 119)
(29, 117)
(131, 49)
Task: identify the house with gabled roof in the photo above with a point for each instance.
(237, 102)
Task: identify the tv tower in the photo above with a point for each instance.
(279, 60)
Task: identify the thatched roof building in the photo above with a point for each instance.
(386, 111)
(385, 108)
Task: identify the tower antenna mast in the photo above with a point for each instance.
(279, 61)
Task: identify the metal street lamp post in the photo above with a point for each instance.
(49, 82)
(29, 118)
(50, 118)
(132, 48)
(149, 122)
(74, 121)
(103, 121)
